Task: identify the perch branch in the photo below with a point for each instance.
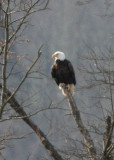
(76, 114)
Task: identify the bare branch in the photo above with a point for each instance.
(107, 145)
(4, 66)
(85, 133)
(22, 81)
(15, 105)
(27, 11)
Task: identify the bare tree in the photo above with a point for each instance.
(98, 75)
(13, 29)
(97, 68)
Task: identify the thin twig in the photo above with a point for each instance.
(24, 78)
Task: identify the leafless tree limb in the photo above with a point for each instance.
(101, 76)
(4, 66)
(85, 133)
(24, 78)
(107, 144)
(11, 34)
(22, 19)
(15, 105)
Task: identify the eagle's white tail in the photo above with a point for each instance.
(69, 87)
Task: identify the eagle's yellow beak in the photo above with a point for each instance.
(54, 55)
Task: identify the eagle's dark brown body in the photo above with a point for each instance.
(63, 72)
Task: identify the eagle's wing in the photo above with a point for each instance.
(71, 69)
(54, 74)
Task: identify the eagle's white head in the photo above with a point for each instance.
(59, 55)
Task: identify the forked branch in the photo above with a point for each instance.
(22, 81)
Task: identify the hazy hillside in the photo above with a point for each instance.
(67, 27)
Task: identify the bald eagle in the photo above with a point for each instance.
(62, 72)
